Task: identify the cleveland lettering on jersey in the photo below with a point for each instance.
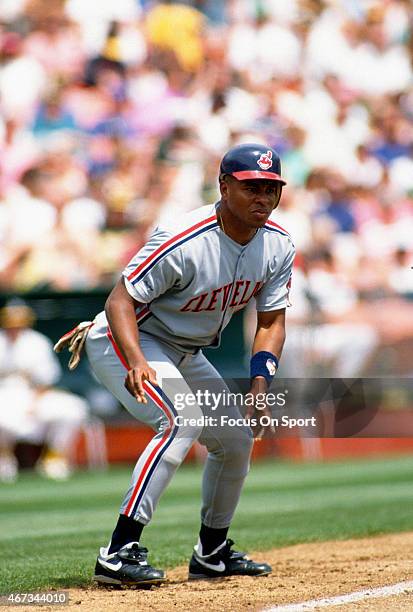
(217, 299)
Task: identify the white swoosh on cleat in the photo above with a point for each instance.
(217, 568)
(110, 566)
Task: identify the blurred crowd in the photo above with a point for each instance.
(115, 114)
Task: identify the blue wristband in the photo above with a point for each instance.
(264, 364)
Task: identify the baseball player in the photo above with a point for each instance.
(31, 408)
(175, 297)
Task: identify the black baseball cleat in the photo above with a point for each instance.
(127, 567)
(224, 562)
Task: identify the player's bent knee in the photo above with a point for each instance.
(177, 452)
(240, 453)
(234, 452)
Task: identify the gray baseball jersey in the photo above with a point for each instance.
(191, 277)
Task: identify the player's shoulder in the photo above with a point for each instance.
(273, 228)
(190, 224)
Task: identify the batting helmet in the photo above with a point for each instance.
(252, 161)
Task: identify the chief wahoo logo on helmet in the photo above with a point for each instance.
(265, 161)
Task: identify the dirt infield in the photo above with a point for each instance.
(300, 573)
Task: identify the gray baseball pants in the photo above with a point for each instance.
(179, 375)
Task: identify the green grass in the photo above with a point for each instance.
(50, 532)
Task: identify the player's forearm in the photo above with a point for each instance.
(270, 334)
(120, 312)
(269, 340)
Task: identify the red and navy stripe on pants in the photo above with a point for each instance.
(167, 407)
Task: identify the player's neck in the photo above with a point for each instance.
(234, 228)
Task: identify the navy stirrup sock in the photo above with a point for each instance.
(127, 530)
(211, 538)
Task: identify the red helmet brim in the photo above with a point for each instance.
(244, 175)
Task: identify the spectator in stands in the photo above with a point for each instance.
(52, 116)
(177, 28)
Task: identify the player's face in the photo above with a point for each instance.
(251, 201)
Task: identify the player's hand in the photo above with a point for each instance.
(259, 387)
(134, 381)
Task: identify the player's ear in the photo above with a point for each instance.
(223, 185)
